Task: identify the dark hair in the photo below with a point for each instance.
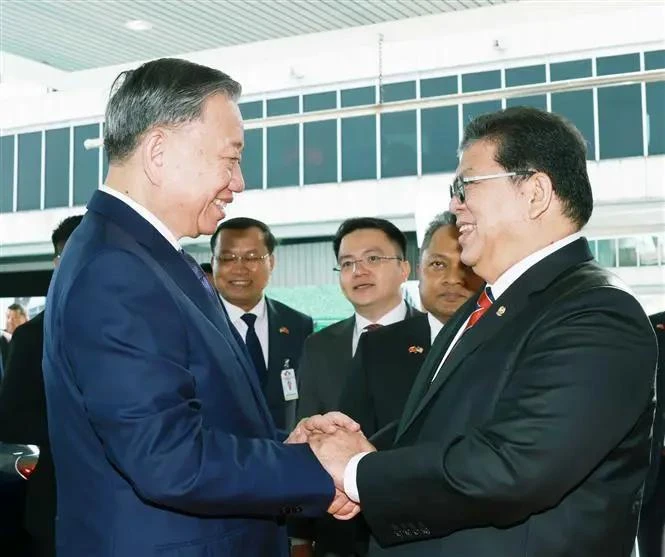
(529, 138)
(442, 219)
(206, 267)
(19, 308)
(395, 235)
(162, 92)
(64, 230)
(243, 223)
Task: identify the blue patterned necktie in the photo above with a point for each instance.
(254, 347)
(196, 268)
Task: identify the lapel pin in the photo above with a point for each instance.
(501, 311)
(283, 330)
(660, 326)
(415, 349)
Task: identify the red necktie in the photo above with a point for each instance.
(372, 327)
(482, 305)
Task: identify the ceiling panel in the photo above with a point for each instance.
(76, 35)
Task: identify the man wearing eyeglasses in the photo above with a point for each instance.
(372, 266)
(274, 333)
(527, 430)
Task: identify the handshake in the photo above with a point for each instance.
(335, 439)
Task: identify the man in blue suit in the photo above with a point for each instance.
(162, 441)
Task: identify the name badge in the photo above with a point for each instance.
(289, 385)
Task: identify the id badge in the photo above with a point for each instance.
(289, 385)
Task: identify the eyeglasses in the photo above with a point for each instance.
(368, 261)
(251, 260)
(459, 183)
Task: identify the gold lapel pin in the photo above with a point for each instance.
(501, 311)
(284, 330)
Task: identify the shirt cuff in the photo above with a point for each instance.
(350, 485)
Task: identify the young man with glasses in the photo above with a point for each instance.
(242, 262)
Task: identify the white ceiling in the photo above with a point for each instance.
(76, 35)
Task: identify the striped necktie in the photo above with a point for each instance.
(484, 302)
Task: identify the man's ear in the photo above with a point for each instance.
(153, 147)
(539, 191)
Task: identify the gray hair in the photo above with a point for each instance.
(166, 92)
(442, 219)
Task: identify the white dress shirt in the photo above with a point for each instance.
(147, 215)
(398, 313)
(435, 327)
(498, 288)
(260, 325)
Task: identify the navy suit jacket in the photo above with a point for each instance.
(162, 440)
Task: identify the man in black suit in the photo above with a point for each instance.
(651, 534)
(527, 430)
(372, 266)
(16, 316)
(242, 262)
(23, 414)
(388, 359)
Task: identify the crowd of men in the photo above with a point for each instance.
(181, 411)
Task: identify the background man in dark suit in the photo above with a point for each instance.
(167, 444)
(651, 534)
(23, 414)
(372, 266)
(242, 262)
(16, 316)
(527, 431)
(388, 359)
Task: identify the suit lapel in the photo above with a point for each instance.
(278, 346)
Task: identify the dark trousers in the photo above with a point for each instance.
(652, 519)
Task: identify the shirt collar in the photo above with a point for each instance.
(521, 267)
(435, 326)
(398, 313)
(236, 313)
(147, 215)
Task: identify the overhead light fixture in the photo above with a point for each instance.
(138, 25)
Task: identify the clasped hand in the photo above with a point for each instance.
(335, 439)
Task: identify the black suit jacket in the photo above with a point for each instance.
(383, 370)
(23, 421)
(533, 439)
(287, 331)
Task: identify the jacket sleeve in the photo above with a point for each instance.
(582, 382)
(129, 360)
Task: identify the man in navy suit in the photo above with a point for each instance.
(165, 444)
(242, 262)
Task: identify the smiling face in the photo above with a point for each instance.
(373, 290)
(197, 167)
(445, 282)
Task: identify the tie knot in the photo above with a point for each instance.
(372, 327)
(249, 319)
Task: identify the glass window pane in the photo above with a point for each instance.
(285, 105)
(525, 75)
(56, 188)
(624, 63)
(86, 164)
(620, 121)
(6, 174)
(577, 106)
(251, 110)
(481, 81)
(283, 160)
(320, 152)
(358, 96)
(574, 69)
(251, 163)
(648, 250)
(29, 171)
(471, 111)
(398, 144)
(536, 101)
(359, 148)
(319, 101)
(607, 253)
(627, 252)
(654, 60)
(593, 246)
(440, 139)
(656, 118)
(437, 86)
(398, 91)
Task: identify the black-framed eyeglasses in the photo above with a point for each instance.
(368, 261)
(251, 260)
(460, 182)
